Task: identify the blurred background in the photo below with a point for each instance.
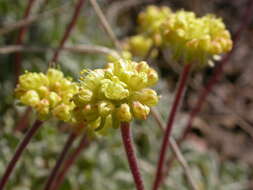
(219, 147)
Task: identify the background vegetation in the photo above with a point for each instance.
(219, 149)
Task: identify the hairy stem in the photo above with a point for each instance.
(69, 162)
(132, 160)
(68, 31)
(61, 158)
(165, 143)
(19, 152)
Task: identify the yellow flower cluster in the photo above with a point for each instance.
(189, 37)
(149, 22)
(196, 39)
(115, 94)
(49, 94)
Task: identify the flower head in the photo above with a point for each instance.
(190, 38)
(49, 93)
(115, 94)
(195, 39)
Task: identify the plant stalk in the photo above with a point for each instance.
(165, 143)
(60, 160)
(18, 152)
(69, 162)
(132, 160)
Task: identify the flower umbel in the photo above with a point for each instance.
(190, 38)
(49, 94)
(118, 93)
(196, 39)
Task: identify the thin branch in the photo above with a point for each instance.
(20, 39)
(32, 19)
(21, 147)
(176, 150)
(60, 160)
(172, 114)
(105, 24)
(75, 49)
(69, 162)
(67, 32)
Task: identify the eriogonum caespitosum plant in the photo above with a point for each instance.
(193, 41)
(49, 94)
(118, 93)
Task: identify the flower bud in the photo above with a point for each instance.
(140, 111)
(54, 75)
(62, 112)
(123, 113)
(54, 99)
(114, 90)
(84, 96)
(138, 81)
(32, 81)
(142, 67)
(105, 108)
(146, 96)
(30, 98)
(42, 107)
(139, 45)
(152, 77)
(43, 91)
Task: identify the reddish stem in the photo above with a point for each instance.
(68, 163)
(61, 158)
(215, 77)
(68, 31)
(18, 152)
(165, 143)
(132, 160)
(20, 39)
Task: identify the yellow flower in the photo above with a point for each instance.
(120, 92)
(193, 39)
(138, 45)
(150, 22)
(49, 94)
